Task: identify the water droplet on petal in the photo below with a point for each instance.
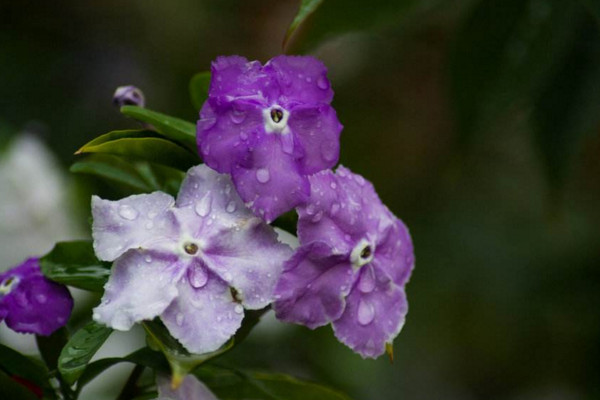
(262, 175)
(179, 319)
(323, 83)
(335, 207)
(41, 298)
(203, 206)
(127, 212)
(329, 150)
(287, 143)
(148, 259)
(197, 276)
(237, 116)
(227, 276)
(149, 225)
(239, 309)
(366, 312)
(333, 185)
(317, 216)
(367, 280)
(231, 206)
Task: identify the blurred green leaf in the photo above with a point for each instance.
(77, 353)
(229, 384)
(10, 389)
(199, 85)
(112, 168)
(180, 360)
(172, 128)
(568, 107)
(15, 363)
(503, 54)
(145, 357)
(307, 7)
(75, 264)
(142, 145)
(51, 346)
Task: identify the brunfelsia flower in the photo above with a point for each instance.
(354, 259)
(128, 96)
(196, 262)
(30, 303)
(190, 389)
(269, 127)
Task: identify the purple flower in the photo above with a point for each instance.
(196, 262)
(354, 259)
(128, 96)
(30, 303)
(269, 127)
(190, 389)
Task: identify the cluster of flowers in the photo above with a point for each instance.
(269, 138)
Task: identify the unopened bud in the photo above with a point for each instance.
(128, 96)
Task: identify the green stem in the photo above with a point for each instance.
(130, 389)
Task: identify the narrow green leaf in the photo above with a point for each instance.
(77, 353)
(307, 7)
(230, 384)
(51, 346)
(173, 128)
(75, 264)
(199, 85)
(10, 389)
(120, 134)
(152, 149)
(15, 363)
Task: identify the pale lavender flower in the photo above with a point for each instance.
(190, 389)
(128, 96)
(30, 303)
(354, 260)
(196, 262)
(269, 127)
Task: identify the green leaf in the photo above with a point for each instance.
(180, 360)
(144, 146)
(173, 128)
(199, 85)
(80, 349)
(307, 7)
(10, 389)
(145, 357)
(503, 54)
(75, 264)
(51, 346)
(15, 363)
(229, 384)
(112, 168)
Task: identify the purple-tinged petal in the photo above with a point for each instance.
(250, 258)
(272, 184)
(312, 287)
(374, 315)
(235, 76)
(190, 389)
(131, 223)
(30, 303)
(226, 134)
(302, 79)
(394, 252)
(204, 315)
(141, 286)
(317, 130)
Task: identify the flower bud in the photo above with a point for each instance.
(128, 96)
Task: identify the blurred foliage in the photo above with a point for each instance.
(477, 121)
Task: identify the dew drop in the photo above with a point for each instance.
(127, 212)
(287, 143)
(335, 208)
(228, 277)
(317, 216)
(179, 319)
(243, 135)
(323, 83)
(237, 116)
(197, 276)
(333, 185)
(149, 225)
(367, 281)
(203, 206)
(366, 312)
(310, 209)
(239, 309)
(148, 259)
(41, 298)
(231, 206)
(329, 150)
(262, 175)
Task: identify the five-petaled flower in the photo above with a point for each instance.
(269, 127)
(30, 303)
(196, 262)
(354, 259)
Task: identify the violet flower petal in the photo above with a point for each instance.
(375, 312)
(141, 286)
(190, 389)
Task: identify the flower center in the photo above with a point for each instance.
(362, 253)
(190, 248)
(7, 284)
(276, 120)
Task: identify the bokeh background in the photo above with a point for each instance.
(477, 121)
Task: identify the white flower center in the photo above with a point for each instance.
(7, 284)
(276, 120)
(362, 253)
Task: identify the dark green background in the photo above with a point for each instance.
(477, 121)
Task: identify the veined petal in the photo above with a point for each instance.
(203, 318)
(136, 221)
(250, 258)
(312, 287)
(374, 315)
(235, 76)
(394, 252)
(141, 286)
(190, 389)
